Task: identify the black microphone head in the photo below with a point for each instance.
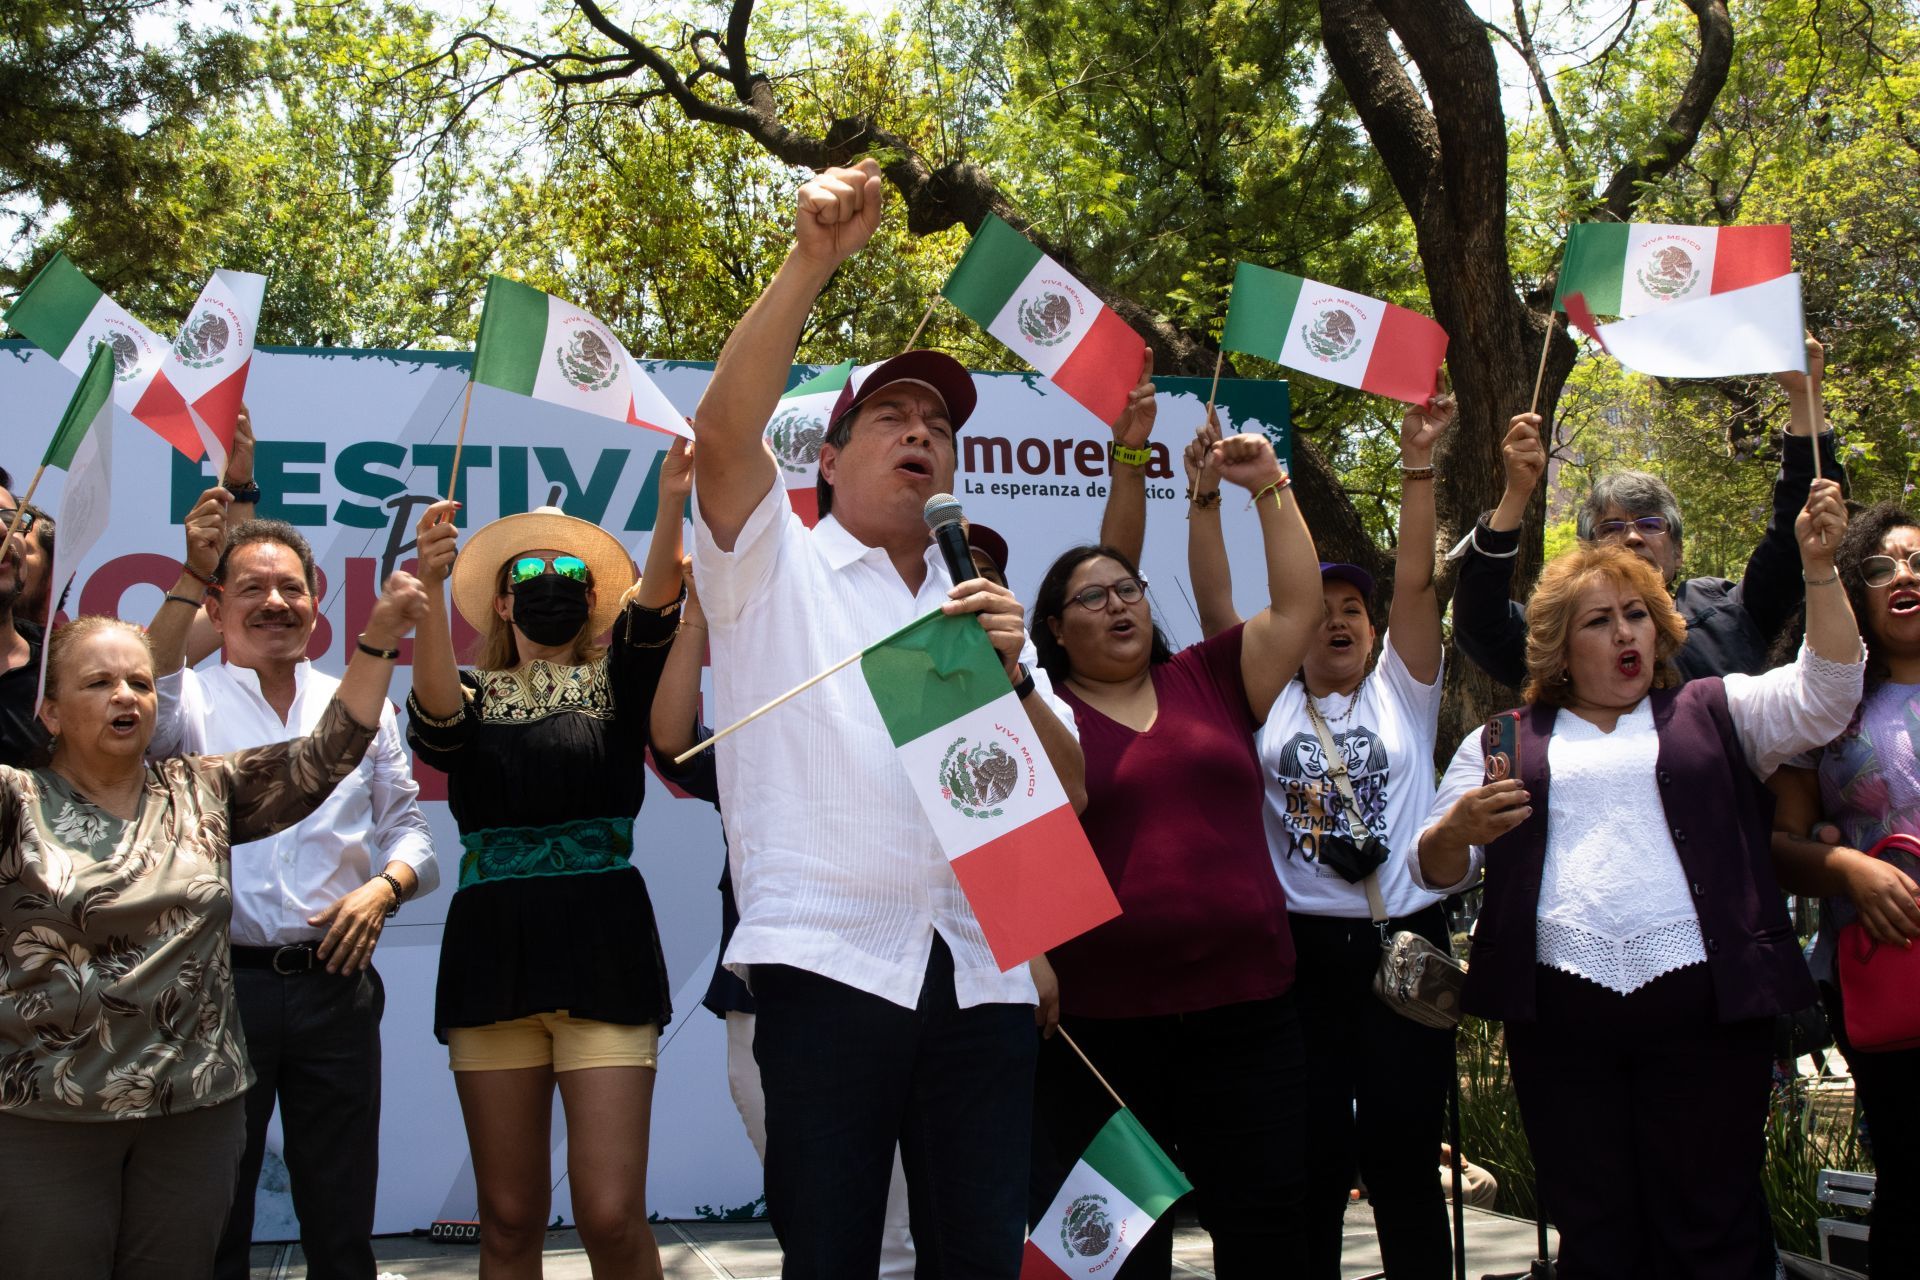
(941, 509)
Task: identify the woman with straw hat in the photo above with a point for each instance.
(550, 970)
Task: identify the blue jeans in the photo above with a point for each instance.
(847, 1076)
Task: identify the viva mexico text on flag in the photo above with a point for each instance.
(534, 344)
(799, 427)
(1046, 317)
(1334, 333)
(1111, 1199)
(988, 789)
(82, 446)
(1629, 268)
(1758, 329)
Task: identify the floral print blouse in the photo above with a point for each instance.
(116, 995)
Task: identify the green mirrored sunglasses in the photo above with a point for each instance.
(527, 568)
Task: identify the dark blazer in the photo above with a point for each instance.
(1721, 818)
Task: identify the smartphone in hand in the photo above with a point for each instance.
(1500, 746)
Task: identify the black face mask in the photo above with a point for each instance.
(550, 609)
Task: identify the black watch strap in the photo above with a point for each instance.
(248, 492)
(1024, 687)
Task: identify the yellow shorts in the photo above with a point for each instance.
(557, 1039)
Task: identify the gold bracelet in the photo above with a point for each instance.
(1827, 581)
(1416, 473)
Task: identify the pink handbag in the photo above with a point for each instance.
(1880, 985)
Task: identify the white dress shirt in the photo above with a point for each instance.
(372, 818)
(1614, 904)
(835, 867)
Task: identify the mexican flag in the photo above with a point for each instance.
(798, 428)
(1049, 319)
(1110, 1199)
(986, 785)
(1627, 268)
(1758, 329)
(67, 316)
(82, 446)
(1338, 335)
(208, 363)
(534, 344)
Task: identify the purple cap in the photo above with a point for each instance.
(947, 377)
(1361, 580)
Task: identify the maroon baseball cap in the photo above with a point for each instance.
(937, 370)
(981, 538)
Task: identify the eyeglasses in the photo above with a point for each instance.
(1130, 590)
(1648, 525)
(27, 521)
(1878, 571)
(527, 568)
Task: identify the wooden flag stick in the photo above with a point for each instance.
(1062, 1033)
(1540, 378)
(459, 441)
(20, 509)
(1813, 423)
(751, 716)
(919, 328)
(1214, 390)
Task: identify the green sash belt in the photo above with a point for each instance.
(563, 849)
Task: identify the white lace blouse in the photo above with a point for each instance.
(1614, 904)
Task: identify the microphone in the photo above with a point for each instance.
(942, 514)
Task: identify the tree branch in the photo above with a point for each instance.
(1683, 124)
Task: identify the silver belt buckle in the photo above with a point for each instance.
(297, 950)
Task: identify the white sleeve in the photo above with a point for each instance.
(1792, 709)
(400, 831)
(1421, 702)
(729, 579)
(178, 721)
(1465, 771)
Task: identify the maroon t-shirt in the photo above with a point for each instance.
(1174, 815)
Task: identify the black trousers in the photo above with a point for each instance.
(1225, 1093)
(1647, 1119)
(1888, 1087)
(849, 1076)
(314, 1040)
(1380, 1099)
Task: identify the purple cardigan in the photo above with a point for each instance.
(1721, 818)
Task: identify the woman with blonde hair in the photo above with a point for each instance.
(551, 974)
(123, 1072)
(1632, 937)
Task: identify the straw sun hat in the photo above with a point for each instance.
(476, 570)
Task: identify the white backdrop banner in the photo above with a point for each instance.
(354, 443)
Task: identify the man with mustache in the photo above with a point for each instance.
(308, 904)
(883, 1019)
(1730, 625)
(21, 733)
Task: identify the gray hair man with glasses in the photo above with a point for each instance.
(1730, 625)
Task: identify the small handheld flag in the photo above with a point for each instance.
(1110, 1200)
(1630, 268)
(1334, 333)
(534, 344)
(1758, 329)
(1047, 318)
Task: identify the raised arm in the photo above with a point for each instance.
(836, 214)
(1124, 523)
(1413, 621)
(676, 703)
(436, 674)
(1770, 587)
(1207, 566)
(1488, 624)
(272, 787)
(1885, 897)
(1276, 638)
(206, 529)
(659, 584)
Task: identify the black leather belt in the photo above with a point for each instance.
(295, 957)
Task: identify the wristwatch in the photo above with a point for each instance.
(247, 491)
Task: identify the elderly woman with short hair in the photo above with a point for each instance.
(122, 1067)
(1633, 938)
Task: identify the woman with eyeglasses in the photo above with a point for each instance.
(1183, 1002)
(551, 973)
(1844, 798)
(1382, 1078)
